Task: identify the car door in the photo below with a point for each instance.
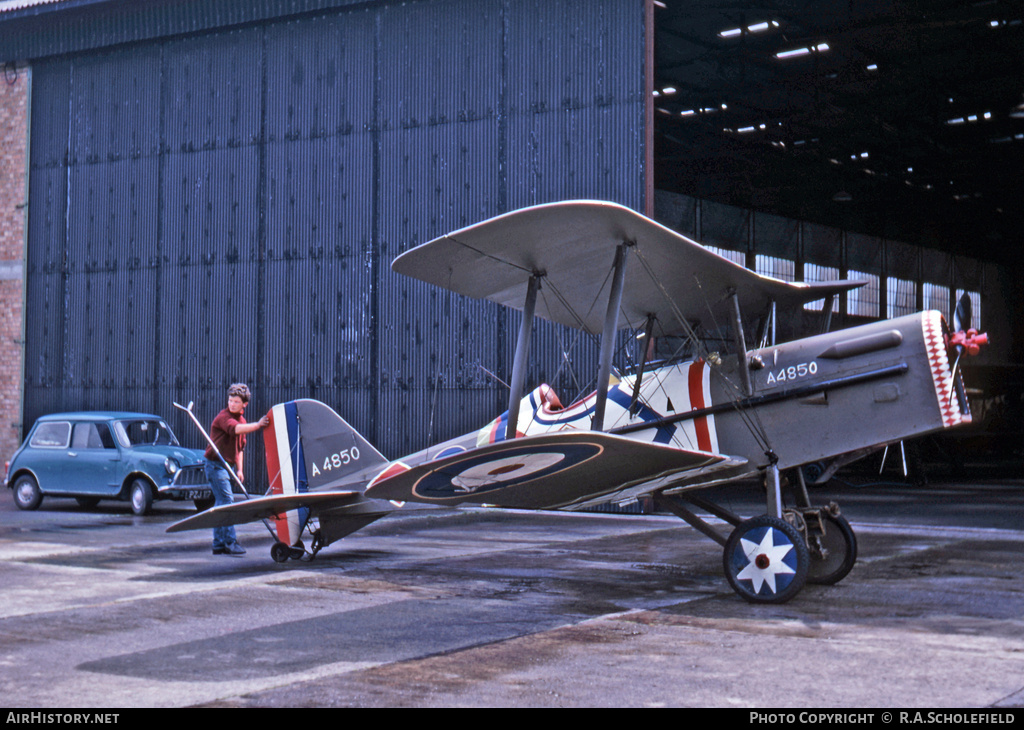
(93, 465)
(47, 454)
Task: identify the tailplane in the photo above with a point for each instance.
(310, 448)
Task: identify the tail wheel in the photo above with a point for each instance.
(833, 549)
(282, 552)
(766, 560)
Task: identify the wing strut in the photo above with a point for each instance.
(522, 354)
(648, 336)
(611, 326)
(741, 346)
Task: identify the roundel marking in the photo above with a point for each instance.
(504, 470)
(481, 473)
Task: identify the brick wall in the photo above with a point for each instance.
(14, 112)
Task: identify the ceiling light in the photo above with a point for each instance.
(971, 118)
(755, 28)
(793, 53)
(820, 48)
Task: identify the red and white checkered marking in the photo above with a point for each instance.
(942, 374)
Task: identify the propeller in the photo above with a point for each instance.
(965, 338)
(962, 314)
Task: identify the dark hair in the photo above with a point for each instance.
(241, 390)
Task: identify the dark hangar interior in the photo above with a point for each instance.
(896, 118)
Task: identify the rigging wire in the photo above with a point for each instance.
(750, 418)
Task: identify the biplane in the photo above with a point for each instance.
(664, 431)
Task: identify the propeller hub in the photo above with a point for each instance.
(970, 341)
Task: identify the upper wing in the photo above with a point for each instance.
(573, 244)
(563, 469)
(262, 508)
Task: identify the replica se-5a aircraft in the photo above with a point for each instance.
(664, 431)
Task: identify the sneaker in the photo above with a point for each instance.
(232, 549)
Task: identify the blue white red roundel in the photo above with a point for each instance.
(481, 473)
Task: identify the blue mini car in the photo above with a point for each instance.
(105, 455)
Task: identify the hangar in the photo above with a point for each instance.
(198, 193)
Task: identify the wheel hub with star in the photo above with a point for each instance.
(766, 560)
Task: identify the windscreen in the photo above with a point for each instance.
(142, 432)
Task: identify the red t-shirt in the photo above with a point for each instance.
(222, 432)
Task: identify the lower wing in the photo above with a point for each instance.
(556, 470)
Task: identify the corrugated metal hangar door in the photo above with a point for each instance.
(225, 206)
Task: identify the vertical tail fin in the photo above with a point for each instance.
(310, 448)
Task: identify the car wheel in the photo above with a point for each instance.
(141, 495)
(26, 493)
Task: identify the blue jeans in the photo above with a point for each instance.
(220, 483)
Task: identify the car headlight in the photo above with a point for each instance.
(171, 466)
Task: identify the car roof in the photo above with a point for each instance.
(98, 416)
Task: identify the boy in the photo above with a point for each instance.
(228, 434)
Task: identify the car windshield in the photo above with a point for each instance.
(143, 432)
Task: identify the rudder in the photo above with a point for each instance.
(310, 448)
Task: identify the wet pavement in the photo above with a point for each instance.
(504, 608)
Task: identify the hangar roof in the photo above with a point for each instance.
(898, 118)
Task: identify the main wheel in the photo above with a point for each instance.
(141, 495)
(26, 493)
(766, 560)
(832, 553)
